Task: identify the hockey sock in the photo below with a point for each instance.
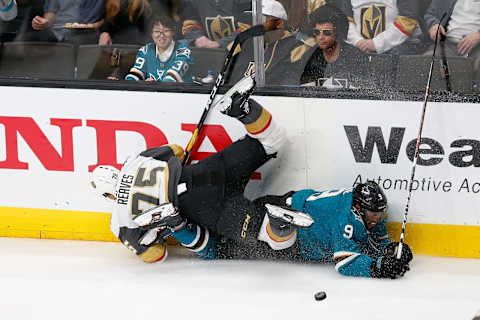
(276, 237)
(195, 239)
(261, 126)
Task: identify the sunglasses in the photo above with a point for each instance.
(326, 32)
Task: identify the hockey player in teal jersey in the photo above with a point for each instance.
(350, 231)
(164, 59)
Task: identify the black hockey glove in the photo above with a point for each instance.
(391, 251)
(388, 267)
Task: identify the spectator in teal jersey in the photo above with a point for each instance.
(164, 59)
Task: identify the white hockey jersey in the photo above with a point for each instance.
(141, 185)
(387, 22)
(146, 180)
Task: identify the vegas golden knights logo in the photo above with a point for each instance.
(219, 27)
(373, 21)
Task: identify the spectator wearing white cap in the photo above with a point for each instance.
(279, 43)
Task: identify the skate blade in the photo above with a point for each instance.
(297, 218)
(242, 87)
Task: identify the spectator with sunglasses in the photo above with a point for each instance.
(331, 62)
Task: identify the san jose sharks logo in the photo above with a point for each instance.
(372, 21)
(184, 51)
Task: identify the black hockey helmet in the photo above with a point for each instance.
(369, 196)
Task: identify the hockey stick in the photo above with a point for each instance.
(419, 139)
(254, 31)
(445, 69)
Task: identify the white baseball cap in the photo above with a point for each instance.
(274, 8)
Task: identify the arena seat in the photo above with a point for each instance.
(207, 59)
(38, 60)
(100, 62)
(412, 74)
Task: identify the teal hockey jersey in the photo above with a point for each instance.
(174, 67)
(338, 233)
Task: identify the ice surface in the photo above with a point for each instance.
(58, 279)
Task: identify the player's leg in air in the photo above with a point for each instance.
(214, 196)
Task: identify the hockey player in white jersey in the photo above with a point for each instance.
(8, 10)
(384, 26)
(207, 194)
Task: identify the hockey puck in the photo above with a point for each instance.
(321, 295)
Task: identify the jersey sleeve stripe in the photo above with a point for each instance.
(190, 25)
(405, 25)
(344, 260)
(138, 73)
(131, 77)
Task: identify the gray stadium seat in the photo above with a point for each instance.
(99, 62)
(207, 59)
(42, 60)
(412, 74)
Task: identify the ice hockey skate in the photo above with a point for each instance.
(235, 102)
(285, 216)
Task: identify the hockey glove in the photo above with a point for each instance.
(163, 220)
(391, 251)
(153, 236)
(388, 267)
